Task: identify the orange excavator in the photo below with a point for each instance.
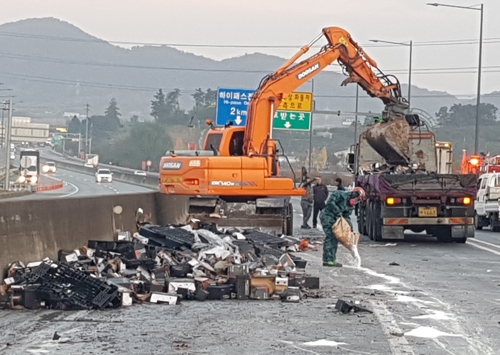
(236, 177)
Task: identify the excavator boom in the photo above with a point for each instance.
(275, 87)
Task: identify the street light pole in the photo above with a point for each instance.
(479, 67)
(478, 102)
(410, 66)
(409, 75)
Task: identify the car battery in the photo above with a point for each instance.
(238, 270)
(292, 295)
(310, 282)
(165, 298)
(30, 298)
(242, 287)
(219, 292)
(259, 292)
(234, 270)
(201, 295)
(175, 284)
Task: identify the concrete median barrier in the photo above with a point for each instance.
(34, 229)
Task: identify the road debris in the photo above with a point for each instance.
(346, 307)
(163, 265)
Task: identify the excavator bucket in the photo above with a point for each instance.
(391, 141)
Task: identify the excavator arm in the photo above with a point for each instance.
(275, 87)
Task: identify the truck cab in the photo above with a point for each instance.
(487, 205)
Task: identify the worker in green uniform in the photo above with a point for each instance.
(340, 204)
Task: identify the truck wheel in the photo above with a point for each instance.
(461, 240)
(476, 222)
(362, 221)
(369, 226)
(494, 224)
(377, 223)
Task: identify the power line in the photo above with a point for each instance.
(204, 45)
(441, 70)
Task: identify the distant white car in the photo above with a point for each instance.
(49, 167)
(103, 175)
(140, 173)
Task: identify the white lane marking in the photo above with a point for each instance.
(483, 242)
(483, 248)
(71, 193)
(397, 342)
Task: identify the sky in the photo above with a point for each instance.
(445, 40)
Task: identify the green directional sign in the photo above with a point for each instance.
(57, 140)
(292, 120)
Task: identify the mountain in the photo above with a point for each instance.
(54, 67)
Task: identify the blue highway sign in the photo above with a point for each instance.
(232, 106)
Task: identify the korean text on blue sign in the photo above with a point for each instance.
(232, 106)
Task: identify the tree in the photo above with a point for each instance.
(146, 141)
(165, 108)
(465, 115)
(159, 108)
(75, 125)
(112, 115)
(204, 104)
(175, 114)
(134, 119)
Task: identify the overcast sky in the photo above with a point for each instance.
(295, 23)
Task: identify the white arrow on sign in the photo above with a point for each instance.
(238, 120)
(288, 124)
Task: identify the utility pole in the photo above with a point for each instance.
(7, 146)
(79, 144)
(356, 131)
(311, 128)
(87, 129)
(3, 129)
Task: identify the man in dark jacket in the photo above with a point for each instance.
(340, 184)
(306, 202)
(340, 204)
(320, 196)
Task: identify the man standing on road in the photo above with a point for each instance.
(320, 196)
(306, 202)
(340, 204)
(340, 184)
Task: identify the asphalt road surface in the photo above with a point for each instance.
(77, 184)
(427, 298)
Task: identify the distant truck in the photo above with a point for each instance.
(29, 168)
(415, 198)
(92, 161)
(487, 204)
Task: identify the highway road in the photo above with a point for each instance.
(78, 184)
(427, 298)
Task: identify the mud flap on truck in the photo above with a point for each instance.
(462, 231)
(393, 232)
